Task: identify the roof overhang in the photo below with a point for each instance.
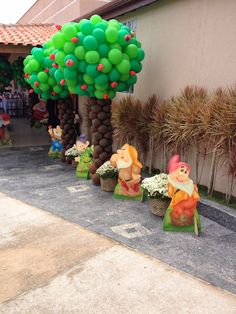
(116, 8)
(15, 49)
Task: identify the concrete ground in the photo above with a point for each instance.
(28, 174)
(50, 265)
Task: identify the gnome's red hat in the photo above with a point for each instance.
(175, 164)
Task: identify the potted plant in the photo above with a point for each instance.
(156, 188)
(108, 177)
(71, 154)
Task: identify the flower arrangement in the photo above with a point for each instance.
(156, 186)
(107, 171)
(72, 152)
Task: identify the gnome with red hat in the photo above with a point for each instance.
(182, 213)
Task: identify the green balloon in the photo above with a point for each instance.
(27, 59)
(92, 71)
(101, 25)
(59, 75)
(82, 66)
(44, 87)
(116, 46)
(125, 56)
(90, 43)
(47, 62)
(64, 94)
(71, 61)
(80, 77)
(69, 74)
(136, 66)
(121, 37)
(68, 31)
(57, 89)
(52, 72)
(99, 35)
(72, 89)
(140, 55)
(38, 54)
(95, 19)
(80, 37)
(80, 52)
(86, 27)
(114, 23)
(131, 51)
(45, 95)
(80, 91)
(90, 90)
(42, 77)
(103, 50)
(100, 87)
(34, 65)
(51, 81)
(27, 69)
(72, 82)
(69, 47)
(33, 78)
(111, 93)
(124, 67)
(114, 75)
(124, 77)
(58, 40)
(98, 94)
(59, 58)
(111, 34)
(115, 56)
(92, 57)
(122, 87)
(132, 80)
(88, 79)
(107, 66)
(101, 79)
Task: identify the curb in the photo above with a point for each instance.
(221, 214)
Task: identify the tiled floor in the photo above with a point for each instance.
(23, 135)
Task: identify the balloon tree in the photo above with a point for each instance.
(5, 73)
(94, 57)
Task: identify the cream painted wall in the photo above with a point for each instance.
(59, 11)
(186, 42)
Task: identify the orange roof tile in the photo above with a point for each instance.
(27, 34)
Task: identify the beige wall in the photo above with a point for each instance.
(187, 42)
(59, 11)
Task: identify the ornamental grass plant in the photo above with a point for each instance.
(193, 121)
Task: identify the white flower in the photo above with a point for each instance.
(156, 185)
(107, 171)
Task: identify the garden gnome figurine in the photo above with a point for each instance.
(85, 159)
(182, 213)
(56, 147)
(126, 161)
(4, 134)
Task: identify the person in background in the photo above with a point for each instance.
(53, 120)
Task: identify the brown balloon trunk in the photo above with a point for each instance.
(100, 115)
(66, 117)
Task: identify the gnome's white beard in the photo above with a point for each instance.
(122, 164)
(187, 187)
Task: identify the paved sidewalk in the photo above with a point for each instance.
(29, 175)
(49, 265)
